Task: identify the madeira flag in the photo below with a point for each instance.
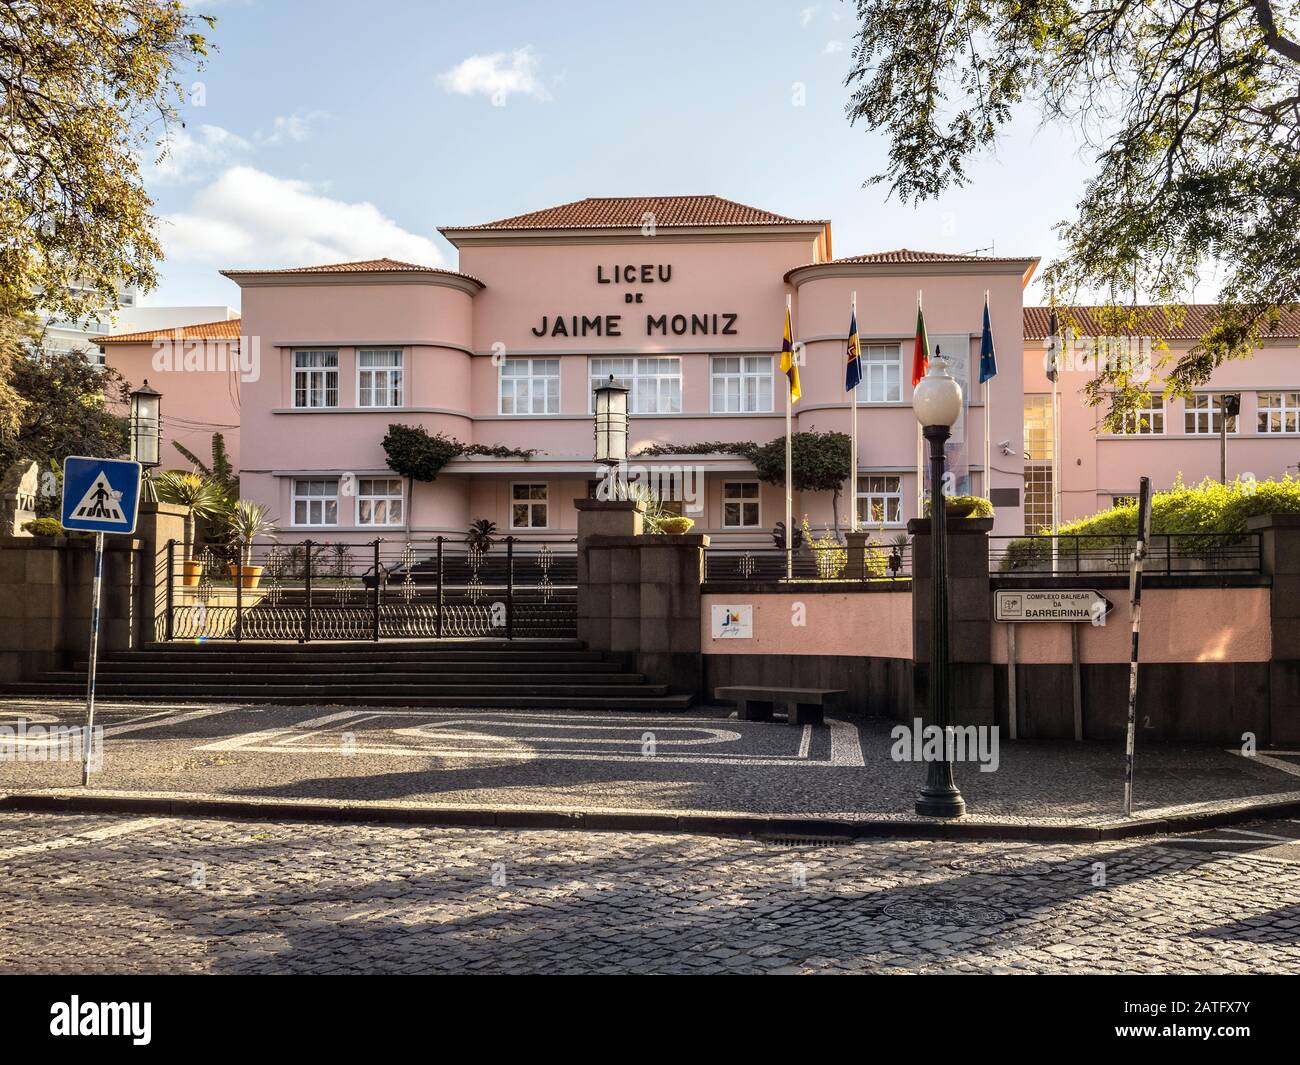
(853, 367)
(921, 351)
(788, 365)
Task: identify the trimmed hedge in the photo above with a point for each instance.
(1208, 507)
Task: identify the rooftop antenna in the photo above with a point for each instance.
(977, 251)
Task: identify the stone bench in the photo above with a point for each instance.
(804, 705)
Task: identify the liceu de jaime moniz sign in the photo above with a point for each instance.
(635, 275)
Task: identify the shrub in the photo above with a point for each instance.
(675, 526)
(1209, 507)
(45, 527)
(979, 506)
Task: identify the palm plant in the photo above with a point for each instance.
(655, 511)
(202, 497)
(480, 533)
(247, 521)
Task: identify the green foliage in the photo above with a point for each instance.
(978, 506)
(45, 527)
(480, 534)
(413, 453)
(1209, 507)
(87, 87)
(247, 521)
(654, 511)
(1188, 112)
(743, 448)
(66, 411)
(820, 461)
(674, 525)
(830, 556)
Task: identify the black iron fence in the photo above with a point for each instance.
(747, 563)
(1167, 553)
(321, 590)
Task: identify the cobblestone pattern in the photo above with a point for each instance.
(113, 894)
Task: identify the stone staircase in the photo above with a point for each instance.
(516, 674)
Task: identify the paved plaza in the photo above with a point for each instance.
(704, 761)
(110, 894)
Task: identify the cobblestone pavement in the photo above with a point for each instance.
(701, 761)
(89, 893)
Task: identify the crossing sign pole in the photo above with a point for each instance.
(87, 740)
(99, 496)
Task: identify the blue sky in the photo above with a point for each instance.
(328, 131)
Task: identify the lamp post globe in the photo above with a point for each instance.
(146, 426)
(937, 403)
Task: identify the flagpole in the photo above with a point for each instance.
(853, 447)
(920, 446)
(789, 452)
(988, 413)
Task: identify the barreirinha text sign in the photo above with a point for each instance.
(1051, 604)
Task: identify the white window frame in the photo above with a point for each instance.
(1288, 410)
(387, 373)
(385, 498)
(752, 381)
(744, 501)
(1208, 415)
(311, 498)
(1155, 405)
(884, 495)
(877, 360)
(533, 378)
(311, 372)
(544, 502)
(635, 375)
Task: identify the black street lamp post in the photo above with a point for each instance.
(937, 403)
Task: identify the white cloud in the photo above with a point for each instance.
(249, 218)
(806, 14)
(496, 76)
(188, 156)
(832, 47)
(295, 127)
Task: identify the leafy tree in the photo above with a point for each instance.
(67, 412)
(1192, 113)
(86, 87)
(821, 463)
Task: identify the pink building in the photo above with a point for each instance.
(682, 300)
(197, 368)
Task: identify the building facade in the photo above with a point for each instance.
(682, 300)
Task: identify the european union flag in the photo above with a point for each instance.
(988, 357)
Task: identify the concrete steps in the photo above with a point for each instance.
(550, 674)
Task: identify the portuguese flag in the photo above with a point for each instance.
(921, 351)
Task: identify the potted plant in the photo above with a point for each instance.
(247, 521)
(675, 526)
(202, 497)
(479, 534)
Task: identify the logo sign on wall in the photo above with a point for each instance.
(1051, 604)
(733, 622)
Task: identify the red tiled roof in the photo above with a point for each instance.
(628, 212)
(226, 329)
(1149, 319)
(908, 255)
(362, 266)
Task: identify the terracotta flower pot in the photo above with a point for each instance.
(249, 576)
(192, 570)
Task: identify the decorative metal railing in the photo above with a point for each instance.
(763, 562)
(1167, 554)
(322, 590)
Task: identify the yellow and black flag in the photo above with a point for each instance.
(789, 366)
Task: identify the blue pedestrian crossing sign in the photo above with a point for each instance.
(100, 495)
